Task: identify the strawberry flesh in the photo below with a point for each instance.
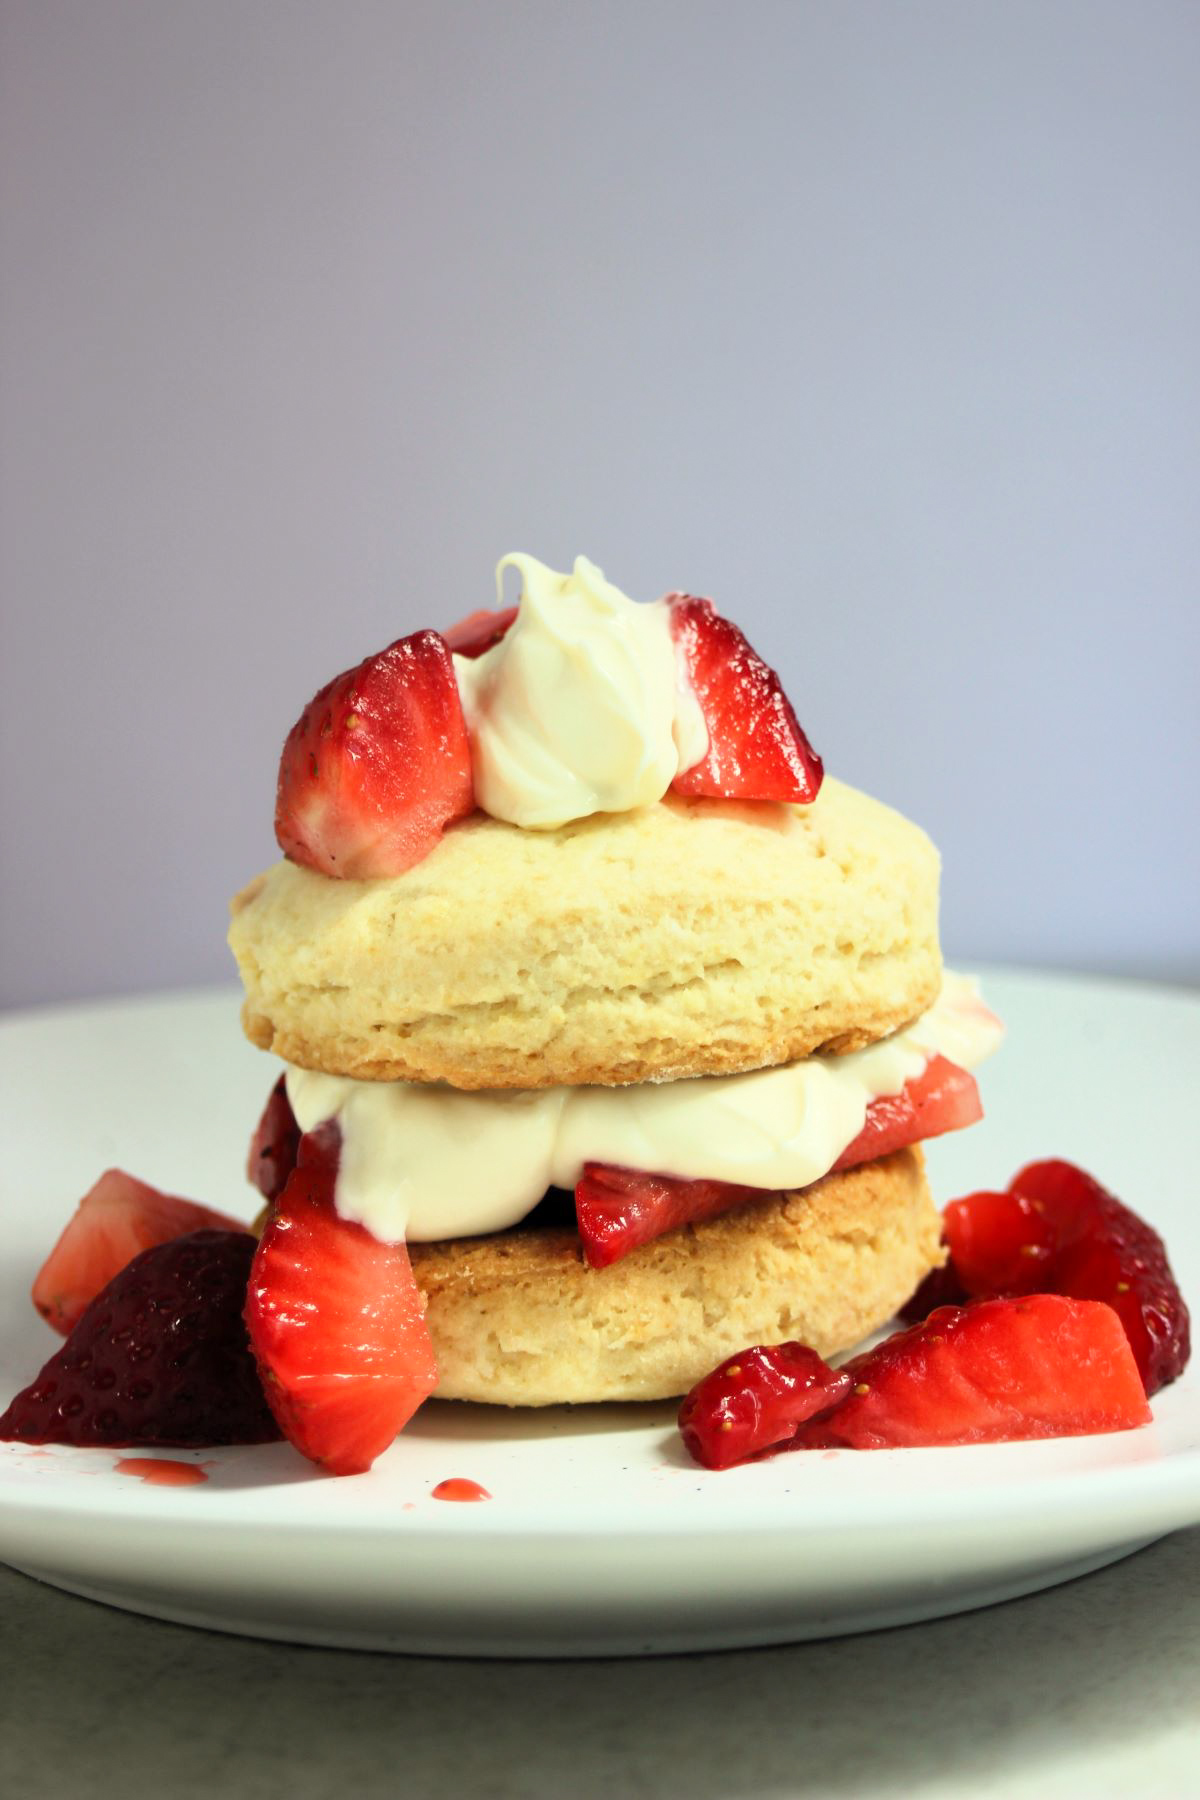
(756, 749)
(993, 1372)
(619, 1209)
(377, 765)
(1000, 1243)
(479, 631)
(275, 1144)
(116, 1219)
(941, 1098)
(756, 1402)
(159, 1357)
(336, 1322)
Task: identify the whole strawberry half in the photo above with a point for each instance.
(159, 1357)
(336, 1322)
(275, 1144)
(756, 749)
(756, 1402)
(116, 1219)
(994, 1372)
(377, 765)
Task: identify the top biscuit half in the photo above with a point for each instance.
(691, 937)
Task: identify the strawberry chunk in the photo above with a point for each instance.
(479, 631)
(377, 765)
(1000, 1244)
(275, 1144)
(116, 1219)
(618, 1209)
(941, 1098)
(159, 1357)
(1105, 1251)
(336, 1322)
(756, 749)
(997, 1371)
(756, 1402)
(1056, 1230)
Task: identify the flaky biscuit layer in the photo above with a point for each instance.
(691, 937)
(518, 1319)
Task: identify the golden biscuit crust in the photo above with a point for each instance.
(518, 1319)
(692, 937)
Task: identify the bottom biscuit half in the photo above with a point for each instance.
(518, 1319)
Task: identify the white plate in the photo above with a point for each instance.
(600, 1537)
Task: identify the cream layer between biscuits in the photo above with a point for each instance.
(428, 1162)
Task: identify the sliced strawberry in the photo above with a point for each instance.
(377, 765)
(116, 1219)
(274, 1145)
(336, 1322)
(159, 1357)
(479, 631)
(618, 1209)
(1106, 1252)
(757, 1401)
(942, 1098)
(999, 1370)
(756, 749)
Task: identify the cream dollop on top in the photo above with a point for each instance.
(429, 1162)
(583, 707)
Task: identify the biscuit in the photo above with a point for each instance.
(690, 937)
(518, 1319)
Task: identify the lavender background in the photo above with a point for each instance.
(877, 322)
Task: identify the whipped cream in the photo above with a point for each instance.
(428, 1162)
(583, 706)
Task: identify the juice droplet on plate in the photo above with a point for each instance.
(161, 1471)
(460, 1487)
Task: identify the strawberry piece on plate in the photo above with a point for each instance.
(1056, 1230)
(377, 765)
(993, 1372)
(618, 1209)
(159, 1357)
(275, 1143)
(756, 1401)
(941, 1098)
(756, 749)
(1105, 1251)
(336, 1322)
(1000, 1243)
(116, 1219)
(479, 631)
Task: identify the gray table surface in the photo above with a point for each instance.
(1089, 1689)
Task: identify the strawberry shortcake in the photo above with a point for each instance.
(612, 1028)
